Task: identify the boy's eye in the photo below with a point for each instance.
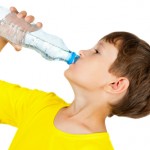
(97, 51)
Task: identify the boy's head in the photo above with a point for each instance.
(133, 62)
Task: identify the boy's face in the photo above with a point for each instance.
(91, 71)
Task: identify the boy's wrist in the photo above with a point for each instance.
(3, 42)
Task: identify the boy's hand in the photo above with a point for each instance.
(29, 19)
(23, 15)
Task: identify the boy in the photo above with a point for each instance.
(112, 78)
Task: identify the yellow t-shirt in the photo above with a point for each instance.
(33, 113)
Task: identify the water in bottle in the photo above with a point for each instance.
(28, 35)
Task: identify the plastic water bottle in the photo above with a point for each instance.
(28, 35)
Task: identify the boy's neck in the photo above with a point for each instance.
(93, 117)
(89, 108)
(82, 122)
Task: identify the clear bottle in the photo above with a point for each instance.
(28, 35)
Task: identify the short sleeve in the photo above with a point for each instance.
(16, 102)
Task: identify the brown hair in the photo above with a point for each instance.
(133, 62)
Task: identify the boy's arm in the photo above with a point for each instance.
(16, 102)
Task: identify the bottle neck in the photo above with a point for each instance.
(73, 58)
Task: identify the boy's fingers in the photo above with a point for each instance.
(13, 9)
(39, 24)
(29, 19)
(17, 47)
(22, 14)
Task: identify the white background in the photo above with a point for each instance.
(81, 23)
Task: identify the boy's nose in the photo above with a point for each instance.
(84, 53)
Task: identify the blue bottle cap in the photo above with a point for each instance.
(73, 58)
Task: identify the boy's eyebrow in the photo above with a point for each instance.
(100, 44)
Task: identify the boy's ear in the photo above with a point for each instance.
(118, 86)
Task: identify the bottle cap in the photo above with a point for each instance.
(73, 58)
